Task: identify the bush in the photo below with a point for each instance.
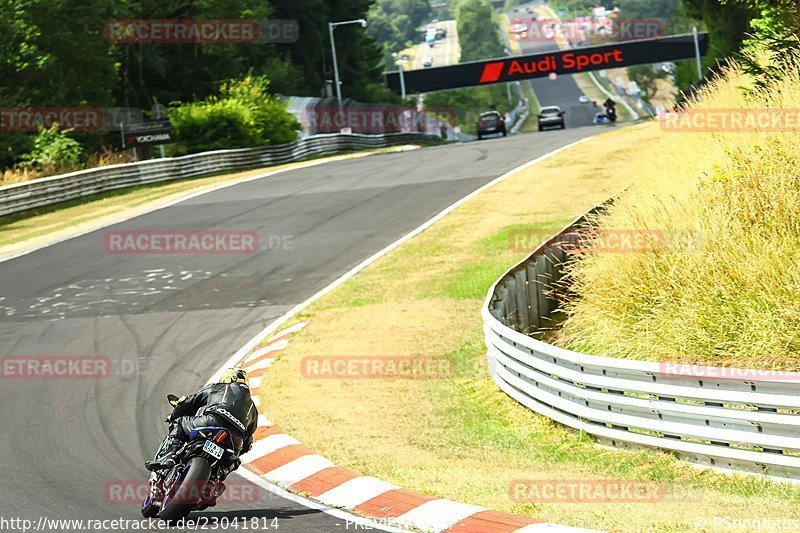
(243, 115)
(54, 150)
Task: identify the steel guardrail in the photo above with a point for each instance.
(43, 192)
(730, 419)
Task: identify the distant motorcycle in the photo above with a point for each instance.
(193, 484)
(611, 110)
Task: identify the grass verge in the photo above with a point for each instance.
(461, 438)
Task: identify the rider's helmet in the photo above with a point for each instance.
(233, 375)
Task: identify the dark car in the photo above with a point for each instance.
(551, 117)
(491, 122)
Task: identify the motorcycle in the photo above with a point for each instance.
(611, 110)
(194, 483)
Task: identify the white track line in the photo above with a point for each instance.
(268, 445)
(264, 363)
(298, 470)
(355, 492)
(280, 345)
(351, 521)
(264, 421)
(438, 515)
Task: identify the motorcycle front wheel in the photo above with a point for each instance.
(185, 493)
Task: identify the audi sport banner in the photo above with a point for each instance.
(149, 132)
(543, 64)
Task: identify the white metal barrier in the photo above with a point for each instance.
(733, 419)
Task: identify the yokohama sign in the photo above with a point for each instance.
(543, 64)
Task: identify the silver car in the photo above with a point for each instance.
(551, 117)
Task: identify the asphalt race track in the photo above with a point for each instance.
(563, 91)
(168, 321)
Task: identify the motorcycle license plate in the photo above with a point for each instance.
(213, 450)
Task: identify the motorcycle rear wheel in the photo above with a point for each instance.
(184, 495)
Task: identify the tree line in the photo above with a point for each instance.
(53, 53)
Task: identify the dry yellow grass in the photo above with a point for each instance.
(461, 438)
(732, 297)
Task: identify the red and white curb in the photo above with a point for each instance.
(283, 461)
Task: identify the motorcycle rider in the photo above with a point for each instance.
(227, 404)
(611, 109)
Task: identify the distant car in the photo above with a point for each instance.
(441, 33)
(430, 37)
(427, 62)
(551, 117)
(491, 122)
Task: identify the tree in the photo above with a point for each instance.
(477, 31)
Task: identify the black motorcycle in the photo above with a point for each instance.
(193, 484)
(611, 110)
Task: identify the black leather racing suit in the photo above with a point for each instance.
(228, 405)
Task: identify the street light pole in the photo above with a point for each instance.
(402, 81)
(335, 66)
(331, 27)
(697, 54)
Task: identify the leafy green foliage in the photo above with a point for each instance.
(54, 150)
(53, 53)
(477, 30)
(243, 115)
(394, 23)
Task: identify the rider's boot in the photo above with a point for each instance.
(166, 459)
